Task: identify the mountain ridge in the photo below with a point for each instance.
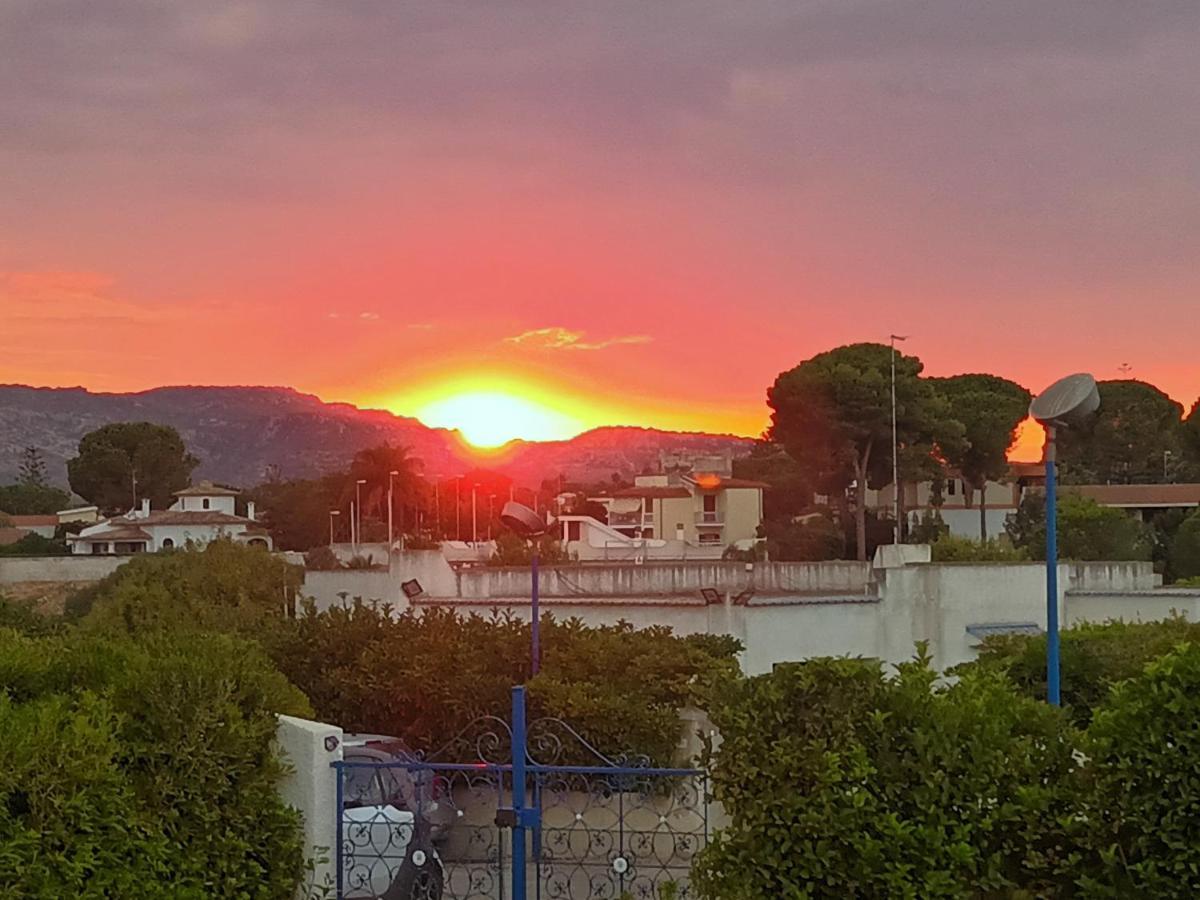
(240, 431)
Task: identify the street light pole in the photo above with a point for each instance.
(358, 512)
(391, 478)
(332, 513)
(895, 449)
(458, 508)
(1053, 694)
(474, 518)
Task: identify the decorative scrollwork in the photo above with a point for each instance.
(552, 742)
(487, 740)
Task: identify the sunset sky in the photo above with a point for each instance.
(586, 213)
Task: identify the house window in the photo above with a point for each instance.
(99, 549)
(574, 530)
(710, 503)
(710, 537)
(204, 503)
(167, 543)
(951, 487)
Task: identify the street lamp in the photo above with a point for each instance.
(358, 512)
(529, 525)
(391, 478)
(1067, 402)
(895, 449)
(332, 513)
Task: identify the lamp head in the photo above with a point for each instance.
(523, 520)
(1067, 402)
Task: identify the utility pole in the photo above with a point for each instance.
(391, 479)
(895, 449)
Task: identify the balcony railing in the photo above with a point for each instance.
(630, 520)
(709, 517)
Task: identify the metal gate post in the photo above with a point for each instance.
(518, 793)
(338, 854)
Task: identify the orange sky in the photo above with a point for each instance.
(624, 214)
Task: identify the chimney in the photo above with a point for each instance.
(145, 507)
(250, 510)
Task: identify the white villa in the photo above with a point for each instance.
(200, 514)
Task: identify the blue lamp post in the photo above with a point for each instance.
(529, 525)
(1066, 402)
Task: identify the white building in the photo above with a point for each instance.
(200, 514)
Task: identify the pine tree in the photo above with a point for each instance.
(32, 471)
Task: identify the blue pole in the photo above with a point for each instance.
(536, 620)
(1052, 659)
(338, 854)
(518, 792)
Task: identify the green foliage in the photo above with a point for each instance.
(513, 550)
(1094, 658)
(113, 457)
(1189, 582)
(297, 512)
(32, 499)
(949, 548)
(791, 491)
(1125, 441)
(23, 619)
(34, 545)
(833, 415)
(1143, 805)
(425, 676)
(1086, 530)
(321, 559)
(990, 408)
(841, 782)
(815, 537)
(224, 586)
(1185, 548)
(143, 769)
(931, 527)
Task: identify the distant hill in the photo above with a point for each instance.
(238, 432)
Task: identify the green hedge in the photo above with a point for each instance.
(843, 782)
(142, 769)
(425, 676)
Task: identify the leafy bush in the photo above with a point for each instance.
(512, 550)
(1094, 658)
(143, 769)
(425, 676)
(321, 559)
(34, 544)
(1143, 806)
(841, 782)
(929, 528)
(949, 548)
(223, 587)
(22, 618)
(1185, 549)
(815, 538)
(1086, 530)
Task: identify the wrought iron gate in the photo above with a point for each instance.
(512, 810)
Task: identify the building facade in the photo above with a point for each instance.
(200, 514)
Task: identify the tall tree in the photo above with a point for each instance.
(32, 471)
(990, 409)
(833, 414)
(1190, 435)
(1131, 440)
(122, 463)
(374, 465)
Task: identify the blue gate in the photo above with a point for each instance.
(512, 810)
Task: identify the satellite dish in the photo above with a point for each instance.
(523, 520)
(1069, 401)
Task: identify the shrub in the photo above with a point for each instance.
(512, 550)
(23, 618)
(1094, 657)
(34, 544)
(425, 676)
(1143, 809)
(841, 782)
(949, 548)
(1185, 549)
(816, 538)
(1086, 530)
(157, 779)
(321, 559)
(222, 587)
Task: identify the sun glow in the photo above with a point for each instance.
(493, 418)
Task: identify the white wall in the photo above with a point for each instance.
(311, 787)
(58, 568)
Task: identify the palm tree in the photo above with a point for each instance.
(374, 466)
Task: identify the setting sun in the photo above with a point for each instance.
(493, 418)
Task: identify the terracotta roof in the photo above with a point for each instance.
(1135, 495)
(652, 491)
(120, 533)
(11, 535)
(207, 489)
(719, 482)
(180, 517)
(31, 521)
